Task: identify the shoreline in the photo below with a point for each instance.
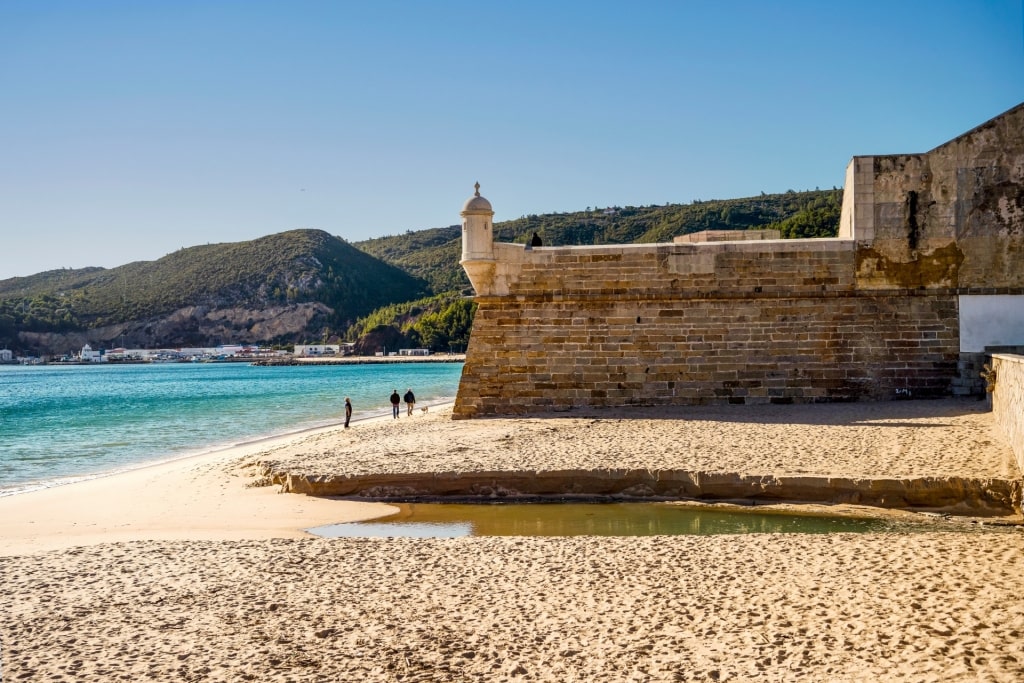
(207, 495)
(361, 360)
(17, 489)
(291, 360)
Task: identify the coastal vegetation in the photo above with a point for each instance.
(307, 286)
(440, 323)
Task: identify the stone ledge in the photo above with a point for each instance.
(952, 494)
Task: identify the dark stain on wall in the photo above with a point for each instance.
(940, 268)
(913, 230)
(999, 205)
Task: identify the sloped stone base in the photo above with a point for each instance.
(955, 494)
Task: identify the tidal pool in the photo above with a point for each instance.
(451, 520)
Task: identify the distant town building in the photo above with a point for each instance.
(88, 355)
(232, 349)
(317, 349)
(6, 356)
(413, 352)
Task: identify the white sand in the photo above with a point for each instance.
(182, 573)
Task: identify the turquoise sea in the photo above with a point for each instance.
(60, 424)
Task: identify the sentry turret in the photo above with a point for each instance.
(478, 240)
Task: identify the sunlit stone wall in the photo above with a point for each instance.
(686, 324)
(1008, 401)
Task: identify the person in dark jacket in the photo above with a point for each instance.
(395, 400)
(348, 411)
(410, 401)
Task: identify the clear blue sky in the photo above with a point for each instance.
(131, 129)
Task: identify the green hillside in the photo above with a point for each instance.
(289, 268)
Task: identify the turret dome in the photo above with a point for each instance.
(477, 204)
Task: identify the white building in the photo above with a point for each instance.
(89, 356)
(317, 349)
(6, 356)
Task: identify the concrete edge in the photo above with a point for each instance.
(958, 494)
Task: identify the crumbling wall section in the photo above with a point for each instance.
(952, 217)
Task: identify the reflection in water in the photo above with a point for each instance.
(379, 529)
(450, 520)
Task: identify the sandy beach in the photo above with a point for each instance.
(193, 571)
(907, 438)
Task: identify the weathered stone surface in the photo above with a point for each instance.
(530, 354)
(952, 217)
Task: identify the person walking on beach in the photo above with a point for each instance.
(395, 400)
(410, 401)
(348, 411)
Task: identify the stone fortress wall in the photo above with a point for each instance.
(925, 280)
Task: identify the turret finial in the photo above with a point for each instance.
(477, 186)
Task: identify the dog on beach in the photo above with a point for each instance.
(424, 409)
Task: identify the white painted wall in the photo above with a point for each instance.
(991, 320)
(316, 349)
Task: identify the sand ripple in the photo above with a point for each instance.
(926, 607)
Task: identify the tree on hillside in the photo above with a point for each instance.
(447, 329)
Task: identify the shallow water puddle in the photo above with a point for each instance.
(452, 520)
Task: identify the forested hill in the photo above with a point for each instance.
(328, 280)
(433, 254)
